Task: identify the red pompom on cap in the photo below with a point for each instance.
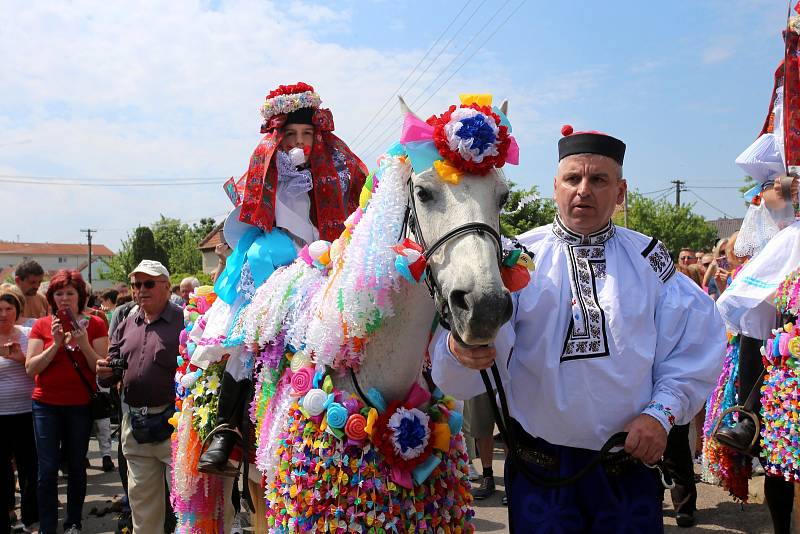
(566, 130)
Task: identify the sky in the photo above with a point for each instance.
(153, 105)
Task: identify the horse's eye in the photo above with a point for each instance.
(423, 195)
(504, 199)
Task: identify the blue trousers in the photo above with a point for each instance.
(52, 425)
(627, 503)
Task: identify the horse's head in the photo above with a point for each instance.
(465, 266)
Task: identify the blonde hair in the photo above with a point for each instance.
(12, 291)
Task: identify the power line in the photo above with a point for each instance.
(363, 132)
(701, 199)
(657, 191)
(390, 124)
(124, 179)
(383, 139)
(167, 182)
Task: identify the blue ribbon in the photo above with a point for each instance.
(263, 251)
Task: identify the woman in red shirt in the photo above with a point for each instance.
(60, 398)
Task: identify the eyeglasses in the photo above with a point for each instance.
(687, 258)
(148, 284)
(706, 264)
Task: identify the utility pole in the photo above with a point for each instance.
(678, 188)
(88, 232)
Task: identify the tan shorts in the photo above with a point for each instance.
(479, 417)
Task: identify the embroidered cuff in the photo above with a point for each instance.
(662, 413)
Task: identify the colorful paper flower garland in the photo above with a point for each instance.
(780, 394)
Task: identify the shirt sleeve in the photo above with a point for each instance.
(96, 328)
(36, 329)
(462, 382)
(689, 352)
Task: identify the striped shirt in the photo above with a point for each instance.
(16, 387)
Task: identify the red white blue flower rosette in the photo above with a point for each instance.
(472, 138)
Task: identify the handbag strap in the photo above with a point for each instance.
(80, 374)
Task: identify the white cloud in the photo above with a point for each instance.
(94, 89)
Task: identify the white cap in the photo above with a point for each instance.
(763, 160)
(151, 267)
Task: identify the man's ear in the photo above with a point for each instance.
(623, 188)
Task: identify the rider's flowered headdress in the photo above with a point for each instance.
(471, 138)
(331, 200)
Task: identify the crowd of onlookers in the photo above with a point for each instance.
(56, 340)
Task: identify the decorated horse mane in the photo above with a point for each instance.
(333, 460)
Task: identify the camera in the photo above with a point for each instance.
(118, 365)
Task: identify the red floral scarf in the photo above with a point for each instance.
(256, 190)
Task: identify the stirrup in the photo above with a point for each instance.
(740, 409)
(227, 470)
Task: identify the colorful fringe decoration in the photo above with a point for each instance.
(323, 485)
(721, 465)
(780, 394)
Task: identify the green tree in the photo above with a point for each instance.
(168, 240)
(180, 241)
(525, 210)
(675, 226)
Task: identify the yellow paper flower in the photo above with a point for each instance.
(447, 172)
(212, 385)
(475, 98)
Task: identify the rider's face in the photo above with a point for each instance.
(297, 136)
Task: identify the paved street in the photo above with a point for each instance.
(717, 513)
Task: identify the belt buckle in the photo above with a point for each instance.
(140, 411)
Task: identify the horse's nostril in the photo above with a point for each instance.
(458, 299)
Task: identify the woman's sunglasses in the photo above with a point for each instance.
(148, 284)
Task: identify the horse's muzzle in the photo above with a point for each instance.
(478, 316)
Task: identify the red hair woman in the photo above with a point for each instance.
(60, 346)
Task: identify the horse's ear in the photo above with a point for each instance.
(504, 107)
(405, 110)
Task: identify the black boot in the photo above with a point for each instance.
(739, 437)
(226, 435)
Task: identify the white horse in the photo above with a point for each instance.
(326, 477)
(464, 270)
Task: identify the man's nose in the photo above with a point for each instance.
(583, 188)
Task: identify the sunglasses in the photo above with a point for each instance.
(706, 264)
(687, 257)
(148, 284)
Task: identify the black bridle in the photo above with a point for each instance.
(411, 224)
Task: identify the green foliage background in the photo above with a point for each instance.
(170, 241)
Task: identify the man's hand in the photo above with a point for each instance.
(102, 369)
(646, 439)
(472, 357)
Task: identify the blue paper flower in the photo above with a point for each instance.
(477, 129)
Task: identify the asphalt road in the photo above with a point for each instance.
(717, 512)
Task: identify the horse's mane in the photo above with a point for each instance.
(331, 312)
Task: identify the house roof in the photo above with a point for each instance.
(53, 249)
(725, 227)
(213, 238)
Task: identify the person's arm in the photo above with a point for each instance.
(221, 250)
(105, 374)
(456, 368)
(690, 347)
(38, 358)
(92, 350)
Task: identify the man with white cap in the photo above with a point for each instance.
(145, 346)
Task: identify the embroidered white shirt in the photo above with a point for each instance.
(605, 330)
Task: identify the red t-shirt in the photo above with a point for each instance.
(59, 384)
